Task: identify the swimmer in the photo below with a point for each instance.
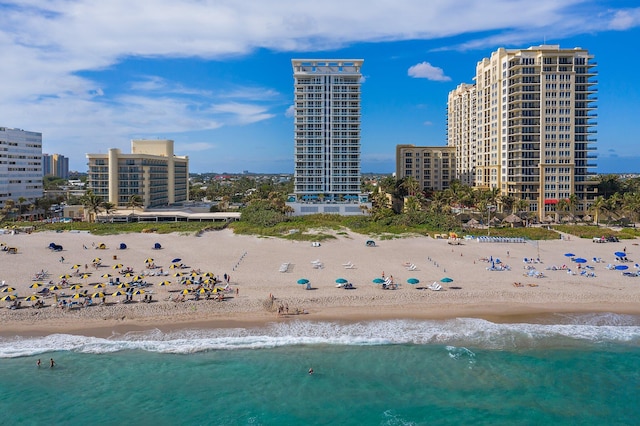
(311, 371)
(38, 363)
(51, 363)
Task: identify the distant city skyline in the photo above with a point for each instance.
(216, 77)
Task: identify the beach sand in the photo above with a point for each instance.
(254, 264)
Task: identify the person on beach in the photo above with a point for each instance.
(311, 371)
(61, 259)
(39, 362)
(51, 363)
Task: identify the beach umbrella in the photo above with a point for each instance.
(208, 275)
(209, 281)
(54, 288)
(580, 260)
(106, 275)
(75, 287)
(148, 260)
(76, 266)
(123, 285)
(8, 289)
(187, 282)
(204, 290)
(341, 281)
(303, 281)
(96, 260)
(99, 285)
(163, 283)
(117, 266)
(174, 266)
(186, 291)
(138, 292)
(118, 293)
(446, 280)
(177, 274)
(78, 296)
(65, 276)
(194, 274)
(620, 254)
(569, 254)
(8, 298)
(138, 278)
(378, 280)
(129, 274)
(176, 260)
(413, 281)
(621, 267)
(98, 295)
(31, 298)
(35, 285)
(85, 276)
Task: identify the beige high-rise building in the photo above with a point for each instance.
(461, 131)
(432, 166)
(151, 171)
(534, 133)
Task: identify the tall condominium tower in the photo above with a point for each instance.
(534, 128)
(55, 165)
(20, 165)
(461, 131)
(327, 128)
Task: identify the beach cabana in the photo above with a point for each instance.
(122, 246)
(102, 246)
(157, 246)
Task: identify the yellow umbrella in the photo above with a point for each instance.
(8, 297)
(8, 289)
(117, 266)
(85, 276)
(163, 283)
(148, 260)
(35, 285)
(138, 292)
(177, 274)
(174, 266)
(76, 287)
(209, 281)
(123, 285)
(98, 295)
(78, 296)
(194, 274)
(106, 275)
(54, 287)
(128, 275)
(118, 293)
(76, 266)
(208, 275)
(138, 278)
(96, 260)
(31, 298)
(65, 276)
(204, 290)
(187, 282)
(99, 285)
(185, 291)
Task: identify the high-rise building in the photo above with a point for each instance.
(433, 167)
(55, 165)
(327, 132)
(534, 126)
(461, 131)
(20, 165)
(151, 171)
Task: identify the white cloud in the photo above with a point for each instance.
(428, 71)
(625, 19)
(290, 111)
(428, 123)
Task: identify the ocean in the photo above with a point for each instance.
(563, 369)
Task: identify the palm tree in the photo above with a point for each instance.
(93, 203)
(562, 207)
(597, 206)
(521, 206)
(411, 185)
(135, 202)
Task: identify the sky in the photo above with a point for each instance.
(215, 75)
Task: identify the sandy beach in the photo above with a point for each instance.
(256, 270)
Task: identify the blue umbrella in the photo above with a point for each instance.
(176, 260)
(341, 281)
(580, 260)
(620, 254)
(378, 280)
(446, 280)
(621, 267)
(569, 254)
(413, 281)
(303, 281)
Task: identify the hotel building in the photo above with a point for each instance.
(534, 126)
(327, 119)
(20, 165)
(151, 171)
(432, 166)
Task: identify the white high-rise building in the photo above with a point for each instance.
(461, 131)
(534, 128)
(327, 134)
(20, 165)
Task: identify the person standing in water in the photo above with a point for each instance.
(51, 363)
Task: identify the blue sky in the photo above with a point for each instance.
(215, 75)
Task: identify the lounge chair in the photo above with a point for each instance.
(435, 286)
(351, 266)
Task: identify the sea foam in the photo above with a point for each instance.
(462, 332)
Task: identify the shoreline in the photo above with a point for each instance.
(256, 270)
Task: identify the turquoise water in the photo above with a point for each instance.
(576, 370)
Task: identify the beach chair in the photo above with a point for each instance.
(350, 266)
(412, 267)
